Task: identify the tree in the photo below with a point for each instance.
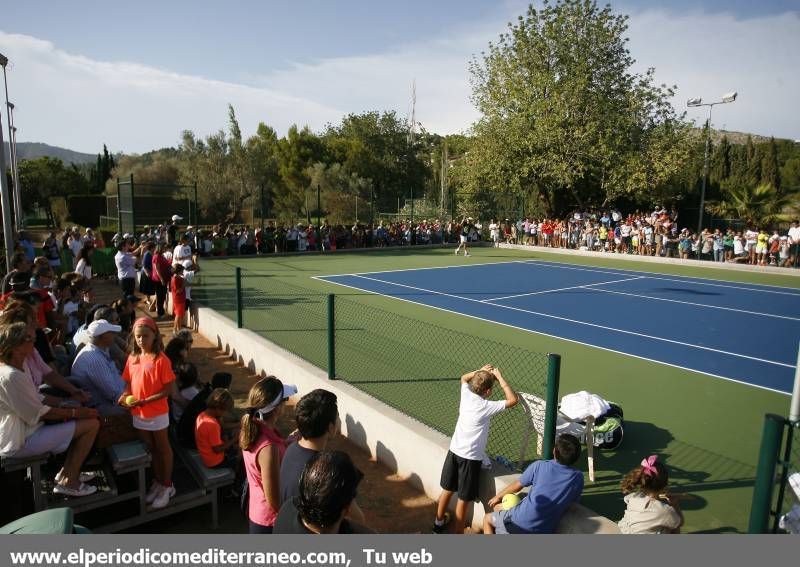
(44, 178)
(376, 146)
(564, 118)
(340, 193)
(297, 152)
(770, 169)
(757, 205)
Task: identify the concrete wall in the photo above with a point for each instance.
(731, 266)
(406, 446)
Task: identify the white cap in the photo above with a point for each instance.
(101, 327)
(176, 218)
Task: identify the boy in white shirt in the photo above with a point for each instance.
(462, 466)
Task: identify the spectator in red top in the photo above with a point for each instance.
(178, 291)
(160, 275)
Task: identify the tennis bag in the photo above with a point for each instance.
(609, 424)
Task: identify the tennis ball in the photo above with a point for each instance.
(130, 400)
(510, 500)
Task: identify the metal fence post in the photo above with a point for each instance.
(331, 338)
(551, 407)
(765, 473)
(239, 318)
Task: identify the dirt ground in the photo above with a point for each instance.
(390, 504)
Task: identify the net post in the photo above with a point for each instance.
(551, 401)
(133, 211)
(331, 337)
(765, 473)
(239, 317)
(119, 206)
(794, 406)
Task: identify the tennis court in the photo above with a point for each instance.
(747, 333)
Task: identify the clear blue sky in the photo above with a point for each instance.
(312, 61)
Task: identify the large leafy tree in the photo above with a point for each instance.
(376, 147)
(564, 118)
(298, 151)
(44, 178)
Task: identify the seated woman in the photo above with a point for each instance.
(23, 432)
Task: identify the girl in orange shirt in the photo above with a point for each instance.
(150, 381)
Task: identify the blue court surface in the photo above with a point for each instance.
(744, 332)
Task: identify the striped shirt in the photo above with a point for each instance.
(94, 371)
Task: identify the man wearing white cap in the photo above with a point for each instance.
(94, 369)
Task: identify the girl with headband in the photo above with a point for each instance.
(262, 451)
(650, 508)
(149, 382)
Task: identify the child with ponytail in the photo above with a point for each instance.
(150, 381)
(262, 451)
(650, 508)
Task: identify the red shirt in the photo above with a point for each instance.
(148, 377)
(178, 290)
(160, 266)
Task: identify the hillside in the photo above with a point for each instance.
(33, 150)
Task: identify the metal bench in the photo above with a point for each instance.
(34, 467)
(210, 480)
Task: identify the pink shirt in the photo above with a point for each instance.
(260, 511)
(37, 368)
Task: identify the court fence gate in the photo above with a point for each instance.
(776, 494)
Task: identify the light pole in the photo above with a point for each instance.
(16, 192)
(694, 102)
(8, 231)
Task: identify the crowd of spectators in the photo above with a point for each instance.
(657, 233)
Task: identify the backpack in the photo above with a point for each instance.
(196, 406)
(609, 422)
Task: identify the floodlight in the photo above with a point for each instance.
(3, 60)
(729, 97)
(694, 102)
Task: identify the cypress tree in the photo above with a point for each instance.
(753, 163)
(720, 168)
(770, 170)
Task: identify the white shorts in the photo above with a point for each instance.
(156, 423)
(463, 239)
(761, 249)
(53, 438)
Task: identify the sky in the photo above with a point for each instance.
(133, 76)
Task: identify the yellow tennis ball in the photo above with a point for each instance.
(510, 500)
(130, 400)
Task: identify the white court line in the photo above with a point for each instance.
(557, 337)
(659, 276)
(705, 305)
(604, 327)
(559, 289)
(422, 269)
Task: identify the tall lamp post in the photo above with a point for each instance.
(694, 102)
(5, 201)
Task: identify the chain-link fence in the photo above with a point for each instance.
(411, 365)
(416, 366)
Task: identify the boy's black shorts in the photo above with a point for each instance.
(462, 476)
